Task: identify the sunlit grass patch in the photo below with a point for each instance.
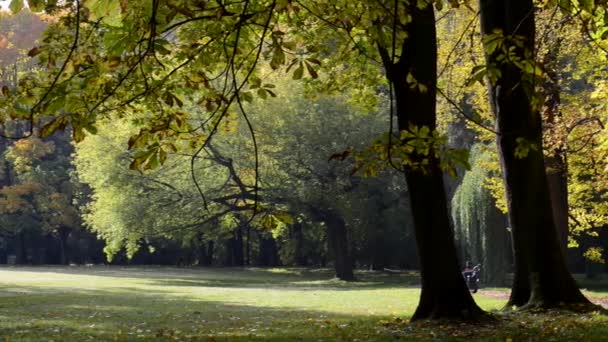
(160, 303)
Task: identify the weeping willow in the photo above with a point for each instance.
(480, 229)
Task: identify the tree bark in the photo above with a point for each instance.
(210, 252)
(205, 251)
(248, 247)
(229, 256)
(21, 249)
(269, 255)
(444, 292)
(63, 233)
(541, 277)
(298, 237)
(239, 257)
(337, 240)
(378, 252)
(338, 243)
(497, 244)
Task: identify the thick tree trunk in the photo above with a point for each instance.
(269, 255)
(444, 292)
(541, 277)
(298, 237)
(338, 243)
(497, 247)
(205, 252)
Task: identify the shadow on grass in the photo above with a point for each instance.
(127, 314)
(152, 309)
(34, 314)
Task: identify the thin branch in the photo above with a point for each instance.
(462, 112)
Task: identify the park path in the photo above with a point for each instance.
(603, 301)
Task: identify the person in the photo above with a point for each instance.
(468, 269)
(471, 275)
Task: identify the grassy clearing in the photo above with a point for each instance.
(153, 303)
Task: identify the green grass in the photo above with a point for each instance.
(155, 303)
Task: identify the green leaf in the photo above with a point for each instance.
(278, 58)
(162, 156)
(152, 163)
(139, 140)
(565, 5)
(439, 5)
(314, 60)
(285, 218)
(477, 75)
(109, 10)
(587, 5)
(246, 96)
(311, 71)
(299, 72)
(77, 133)
(16, 6)
(262, 93)
(90, 127)
(58, 123)
(36, 5)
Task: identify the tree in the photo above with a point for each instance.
(163, 52)
(414, 77)
(304, 172)
(39, 193)
(541, 277)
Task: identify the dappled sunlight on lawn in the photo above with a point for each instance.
(124, 303)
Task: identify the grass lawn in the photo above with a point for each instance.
(155, 303)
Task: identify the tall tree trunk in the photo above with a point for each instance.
(338, 243)
(541, 277)
(444, 292)
(63, 233)
(229, 256)
(337, 240)
(378, 252)
(239, 257)
(269, 255)
(210, 252)
(21, 249)
(497, 246)
(248, 247)
(298, 237)
(205, 253)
